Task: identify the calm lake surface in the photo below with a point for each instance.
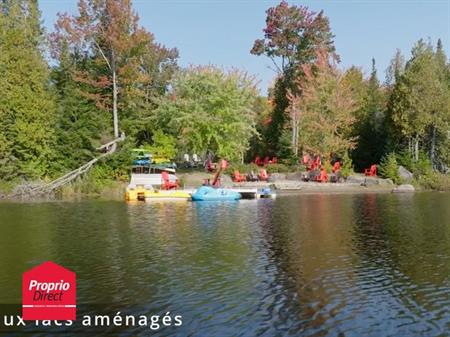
(300, 265)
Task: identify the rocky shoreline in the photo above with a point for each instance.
(292, 182)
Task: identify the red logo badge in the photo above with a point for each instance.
(49, 293)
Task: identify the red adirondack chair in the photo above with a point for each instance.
(263, 175)
(166, 183)
(238, 177)
(258, 161)
(274, 160)
(372, 171)
(266, 160)
(323, 176)
(336, 167)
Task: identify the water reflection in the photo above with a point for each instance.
(307, 265)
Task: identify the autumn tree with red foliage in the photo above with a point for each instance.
(292, 37)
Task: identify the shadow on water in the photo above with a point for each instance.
(299, 265)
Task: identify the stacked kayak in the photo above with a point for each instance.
(207, 193)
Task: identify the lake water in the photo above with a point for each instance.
(299, 265)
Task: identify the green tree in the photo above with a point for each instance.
(163, 145)
(79, 122)
(370, 127)
(419, 102)
(27, 110)
(439, 129)
(208, 109)
(258, 146)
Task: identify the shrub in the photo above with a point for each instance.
(242, 168)
(277, 168)
(433, 181)
(164, 146)
(405, 159)
(423, 166)
(347, 166)
(420, 167)
(389, 167)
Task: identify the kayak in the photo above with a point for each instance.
(207, 193)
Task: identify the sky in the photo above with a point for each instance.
(222, 32)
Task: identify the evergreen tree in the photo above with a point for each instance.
(26, 106)
(78, 121)
(371, 131)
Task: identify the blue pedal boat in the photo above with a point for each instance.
(207, 193)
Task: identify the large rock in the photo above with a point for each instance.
(404, 174)
(405, 188)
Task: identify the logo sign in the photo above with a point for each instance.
(49, 293)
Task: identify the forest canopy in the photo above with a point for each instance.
(100, 73)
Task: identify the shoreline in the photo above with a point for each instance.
(283, 184)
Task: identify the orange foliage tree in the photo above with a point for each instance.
(323, 115)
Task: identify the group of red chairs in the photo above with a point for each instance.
(314, 164)
(238, 177)
(266, 161)
(323, 176)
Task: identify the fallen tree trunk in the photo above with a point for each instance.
(70, 176)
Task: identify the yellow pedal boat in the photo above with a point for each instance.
(147, 193)
(167, 195)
